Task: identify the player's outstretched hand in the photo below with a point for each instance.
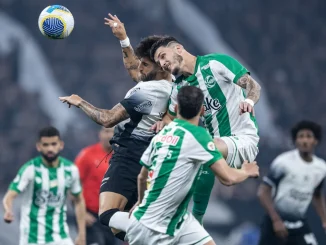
(251, 169)
(246, 107)
(71, 100)
(280, 229)
(118, 28)
(158, 126)
(133, 208)
(8, 217)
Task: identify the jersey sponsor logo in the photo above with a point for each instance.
(300, 196)
(168, 139)
(210, 81)
(211, 146)
(44, 197)
(142, 106)
(212, 104)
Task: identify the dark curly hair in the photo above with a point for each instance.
(144, 47)
(165, 41)
(314, 127)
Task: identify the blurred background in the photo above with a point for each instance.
(282, 43)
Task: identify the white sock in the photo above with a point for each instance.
(119, 221)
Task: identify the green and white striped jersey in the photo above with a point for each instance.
(44, 190)
(175, 156)
(216, 75)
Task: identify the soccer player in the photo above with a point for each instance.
(296, 177)
(45, 182)
(143, 105)
(92, 169)
(229, 112)
(176, 154)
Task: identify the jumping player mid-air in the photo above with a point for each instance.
(143, 105)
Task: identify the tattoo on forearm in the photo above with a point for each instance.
(125, 55)
(106, 118)
(252, 87)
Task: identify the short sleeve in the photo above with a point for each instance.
(276, 173)
(23, 178)
(204, 150)
(76, 187)
(140, 100)
(145, 159)
(227, 67)
(173, 100)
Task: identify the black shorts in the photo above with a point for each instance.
(121, 176)
(98, 234)
(299, 236)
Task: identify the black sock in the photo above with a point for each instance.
(121, 235)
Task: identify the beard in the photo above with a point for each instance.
(148, 77)
(50, 159)
(177, 59)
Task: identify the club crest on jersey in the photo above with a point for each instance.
(210, 81)
(211, 146)
(168, 139)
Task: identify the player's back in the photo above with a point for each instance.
(43, 210)
(175, 156)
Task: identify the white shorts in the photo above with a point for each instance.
(66, 241)
(240, 148)
(191, 232)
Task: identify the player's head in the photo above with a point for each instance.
(49, 143)
(147, 68)
(168, 52)
(306, 135)
(190, 102)
(105, 135)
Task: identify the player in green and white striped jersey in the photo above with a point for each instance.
(229, 113)
(176, 155)
(45, 182)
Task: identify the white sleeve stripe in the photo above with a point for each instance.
(268, 181)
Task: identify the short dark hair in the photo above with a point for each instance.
(144, 47)
(190, 100)
(48, 132)
(162, 42)
(314, 127)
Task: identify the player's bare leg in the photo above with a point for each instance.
(221, 146)
(110, 201)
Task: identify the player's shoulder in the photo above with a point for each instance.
(320, 162)
(199, 133)
(66, 162)
(286, 156)
(158, 86)
(215, 56)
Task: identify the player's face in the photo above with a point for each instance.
(50, 147)
(306, 141)
(105, 136)
(169, 59)
(147, 69)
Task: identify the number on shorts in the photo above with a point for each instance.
(310, 239)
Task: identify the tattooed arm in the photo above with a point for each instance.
(131, 62)
(252, 87)
(106, 118)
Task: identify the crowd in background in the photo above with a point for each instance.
(285, 46)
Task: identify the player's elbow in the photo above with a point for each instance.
(228, 181)
(108, 124)
(141, 178)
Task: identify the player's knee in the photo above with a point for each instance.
(107, 215)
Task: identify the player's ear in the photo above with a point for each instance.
(179, 48)
(62, 145)
(38, 146)
(202, 111)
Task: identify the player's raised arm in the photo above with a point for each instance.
(130, 60)
(106, 118)
(230, 176)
